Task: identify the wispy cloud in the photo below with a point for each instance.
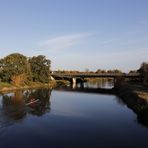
(109, 41)
(63, 42)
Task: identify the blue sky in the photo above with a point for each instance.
(77, 34)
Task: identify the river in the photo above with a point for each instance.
(63, 118)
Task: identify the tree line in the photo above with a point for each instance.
(19, 69)
(99, 71)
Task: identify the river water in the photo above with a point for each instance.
(68, 119)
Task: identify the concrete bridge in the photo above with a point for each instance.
(79, 77)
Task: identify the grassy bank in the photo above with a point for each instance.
(135, 91)
(136, 98)
(8, 87)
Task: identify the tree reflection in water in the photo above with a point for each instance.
(13, 105)
(139, 107)
(17, 105)
(38, 101)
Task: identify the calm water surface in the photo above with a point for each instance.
(66, 119)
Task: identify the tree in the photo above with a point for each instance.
(143, 70)
(132, 71)
(40, 68)
(12, 66)
(101, 71)
(115, 71)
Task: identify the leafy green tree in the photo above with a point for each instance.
(12, 66)
(40, 68)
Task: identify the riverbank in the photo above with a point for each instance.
(8, 87)
(136, 98)
(135, 91)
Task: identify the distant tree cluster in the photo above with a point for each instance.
(18, 69)
(67, 71)
(143, 70)
(87, 71)
(114, 71)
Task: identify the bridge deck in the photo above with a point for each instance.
(96, 75)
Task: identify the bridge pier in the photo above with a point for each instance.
(74, 82)
(52, 78)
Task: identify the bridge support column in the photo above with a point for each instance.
(74, 82)
(52, 78)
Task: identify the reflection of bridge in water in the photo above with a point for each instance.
(87, 90)
(138, 106)
(16, 106)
